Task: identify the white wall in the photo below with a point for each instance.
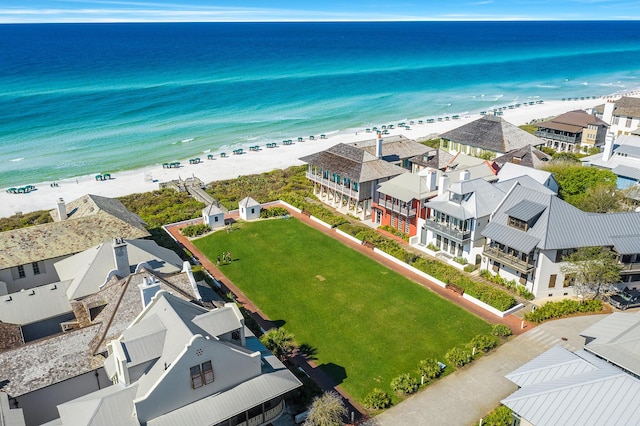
(40, 406)
(47, 275)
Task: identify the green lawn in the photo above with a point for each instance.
(366, 323)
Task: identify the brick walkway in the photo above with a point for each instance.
(324, 381)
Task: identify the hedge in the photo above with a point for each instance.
(562, 308)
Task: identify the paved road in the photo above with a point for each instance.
(465, 396)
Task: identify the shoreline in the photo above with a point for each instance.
(266, 159)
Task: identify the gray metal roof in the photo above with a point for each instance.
(405, 187)
(248, 202)
(109, 406)
(35, 304)
(510, 237)
(627, 171)
(563, 226)
(526, 210)
(582, 391)
(617, 340)
(627, 244)
(482, 200)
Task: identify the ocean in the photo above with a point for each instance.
(79, 99)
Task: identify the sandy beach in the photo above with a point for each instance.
(265, 159)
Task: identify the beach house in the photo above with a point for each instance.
(573, 131)
(346, 176)
(622, 115)
(178, 363)
(531, 231)
(28, 255)
(399, 202)
(595, 385)
(489, 136)
(39, 374)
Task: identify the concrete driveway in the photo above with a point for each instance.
(465, 396)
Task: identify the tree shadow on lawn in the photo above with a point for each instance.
(335, 371)
(308, 352)
(277, 323)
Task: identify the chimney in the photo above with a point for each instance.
(443, 184)
(379, 145)
(120, 256)
(149, 287)
(465, 175)
(607, 115)
(608, 146)
(62, 209)
(428, 179)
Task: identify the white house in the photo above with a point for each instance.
(249, 209)
(213, 216)
(510, 171)
(178, 363)
(622, 115)
(531, 231)
(595, 386)
(621, 155)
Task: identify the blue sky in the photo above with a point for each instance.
(312, 10)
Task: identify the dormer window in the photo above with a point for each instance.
(201, 375)
(518, 223)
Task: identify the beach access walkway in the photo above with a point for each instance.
(310, 368)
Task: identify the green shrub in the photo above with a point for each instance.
(164, 206)
(20, 220)
(562, 308)
(483, 343)
(486, 274)
(460, 260)
(501, 330)
(404, 384)
(273, 212)
(195, 230)
(429, 369)
(377, 399)
(501, 416)
(524, 292)
(470, 268)
(433, 247)
(394, 231)
(458, 357)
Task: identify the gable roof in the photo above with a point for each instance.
(560, 387)
(562, 225)
(353, 163)
(528, 156)
(212, 210)
(572, 122)
(492, 133)
(92, 220)
(434, 157)
(616, 338)
(483, 199)
(90, 269)
(624, 107)
(511, 171)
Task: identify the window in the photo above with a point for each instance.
(196, 377)
(561, 254)
(36, 268)
(252, 210)
(517, 223)
(21, 273)
(207, 372)
(216, 218)
(628, 123)
(552, 280)
(201, 375)
(569, 280)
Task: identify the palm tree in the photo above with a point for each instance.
(279, 342)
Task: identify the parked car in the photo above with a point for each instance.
(625, 299)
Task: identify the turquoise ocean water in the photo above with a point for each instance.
(77, 99)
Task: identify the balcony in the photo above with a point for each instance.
(509, 260)
(555, 137)
(450, 232)
(396, 208)
(630, 267)
(334, 185)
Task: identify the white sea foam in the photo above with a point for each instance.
(187, 140)
(17, 159)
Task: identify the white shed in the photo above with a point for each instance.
(249, 209)
(213, 216)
